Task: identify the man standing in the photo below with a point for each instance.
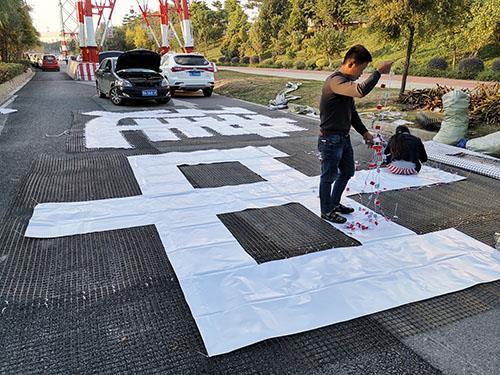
(337, 114)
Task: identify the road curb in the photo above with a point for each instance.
(9, 88)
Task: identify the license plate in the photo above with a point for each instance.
(195, 74)
(149, 93)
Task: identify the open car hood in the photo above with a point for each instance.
(138, 59)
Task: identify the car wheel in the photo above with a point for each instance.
(172, 93)
(115, 97)
(100, 94)
(208, 92)
(163, 100)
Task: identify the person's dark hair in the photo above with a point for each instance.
(359, 54)
(398, 142)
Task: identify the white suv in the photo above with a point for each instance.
(188, 72)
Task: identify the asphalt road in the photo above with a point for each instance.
(36, 340)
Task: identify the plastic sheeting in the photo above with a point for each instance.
(6, 111)
(105, 132)
(235, 301)
(450, 155)
(489, 144)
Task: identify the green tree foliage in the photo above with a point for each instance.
(296, 25)
(269, 25)
(17, 33)
(398, 19)
(328, 42)
(208, 25)
(236, 37)
(484, 28)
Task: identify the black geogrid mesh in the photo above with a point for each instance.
(219, 174)
(110, 302)
(280, 232)
(468, 205)
(139, 141)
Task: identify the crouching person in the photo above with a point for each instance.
(405, 152)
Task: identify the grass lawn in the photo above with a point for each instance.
(260, 89)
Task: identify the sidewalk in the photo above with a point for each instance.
(412, 82)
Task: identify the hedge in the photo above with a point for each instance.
(10, 70)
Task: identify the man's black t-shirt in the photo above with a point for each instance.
(337, 110)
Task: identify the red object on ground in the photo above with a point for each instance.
(49, 62)
(379, 106)
(372, 165)
(382, 86)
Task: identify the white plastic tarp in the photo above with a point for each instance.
(6, 111)
(104, 131)
(235, 301)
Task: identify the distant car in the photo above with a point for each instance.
(105, 54)
(188, 72)
(132, 75)
(48, 62)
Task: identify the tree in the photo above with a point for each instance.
(296, 26)
(272, 19)
(236, 37)
(329, 42)
(17, 33)
(333, 13)
(396, 19)
(484, 28)
(208, 25)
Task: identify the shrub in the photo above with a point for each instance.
(222, 59)
(284, 62)
(470, 67)
(299, 64)
(267, 63)
(489, 75)
(245, 60)
(235, 60)
(322, 63)
(437, 63)
(10, 70)
(496, 65)
(278, 64)
(266, 55)
(311, 64)
(254, 60)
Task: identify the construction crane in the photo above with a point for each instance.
(77, 20)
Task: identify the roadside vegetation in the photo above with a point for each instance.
(484, 111)
(17, 34)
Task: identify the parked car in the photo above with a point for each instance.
(188, 72)
(105, 54)
(132, 75)
(48, 62)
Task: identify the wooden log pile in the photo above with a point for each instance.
(484, 108)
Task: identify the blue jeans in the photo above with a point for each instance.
(337, 167)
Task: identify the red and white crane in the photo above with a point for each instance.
(82, 13)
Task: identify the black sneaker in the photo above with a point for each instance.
(343, 209)
(334, 218)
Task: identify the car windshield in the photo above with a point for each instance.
(190, 60)
(49, 58)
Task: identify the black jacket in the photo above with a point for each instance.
(413, 150)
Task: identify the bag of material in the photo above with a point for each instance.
(489, 144)
(456, 118)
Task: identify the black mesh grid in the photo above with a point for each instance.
(280, 232)
(110, 302)
(219, 174)
(466, 205)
